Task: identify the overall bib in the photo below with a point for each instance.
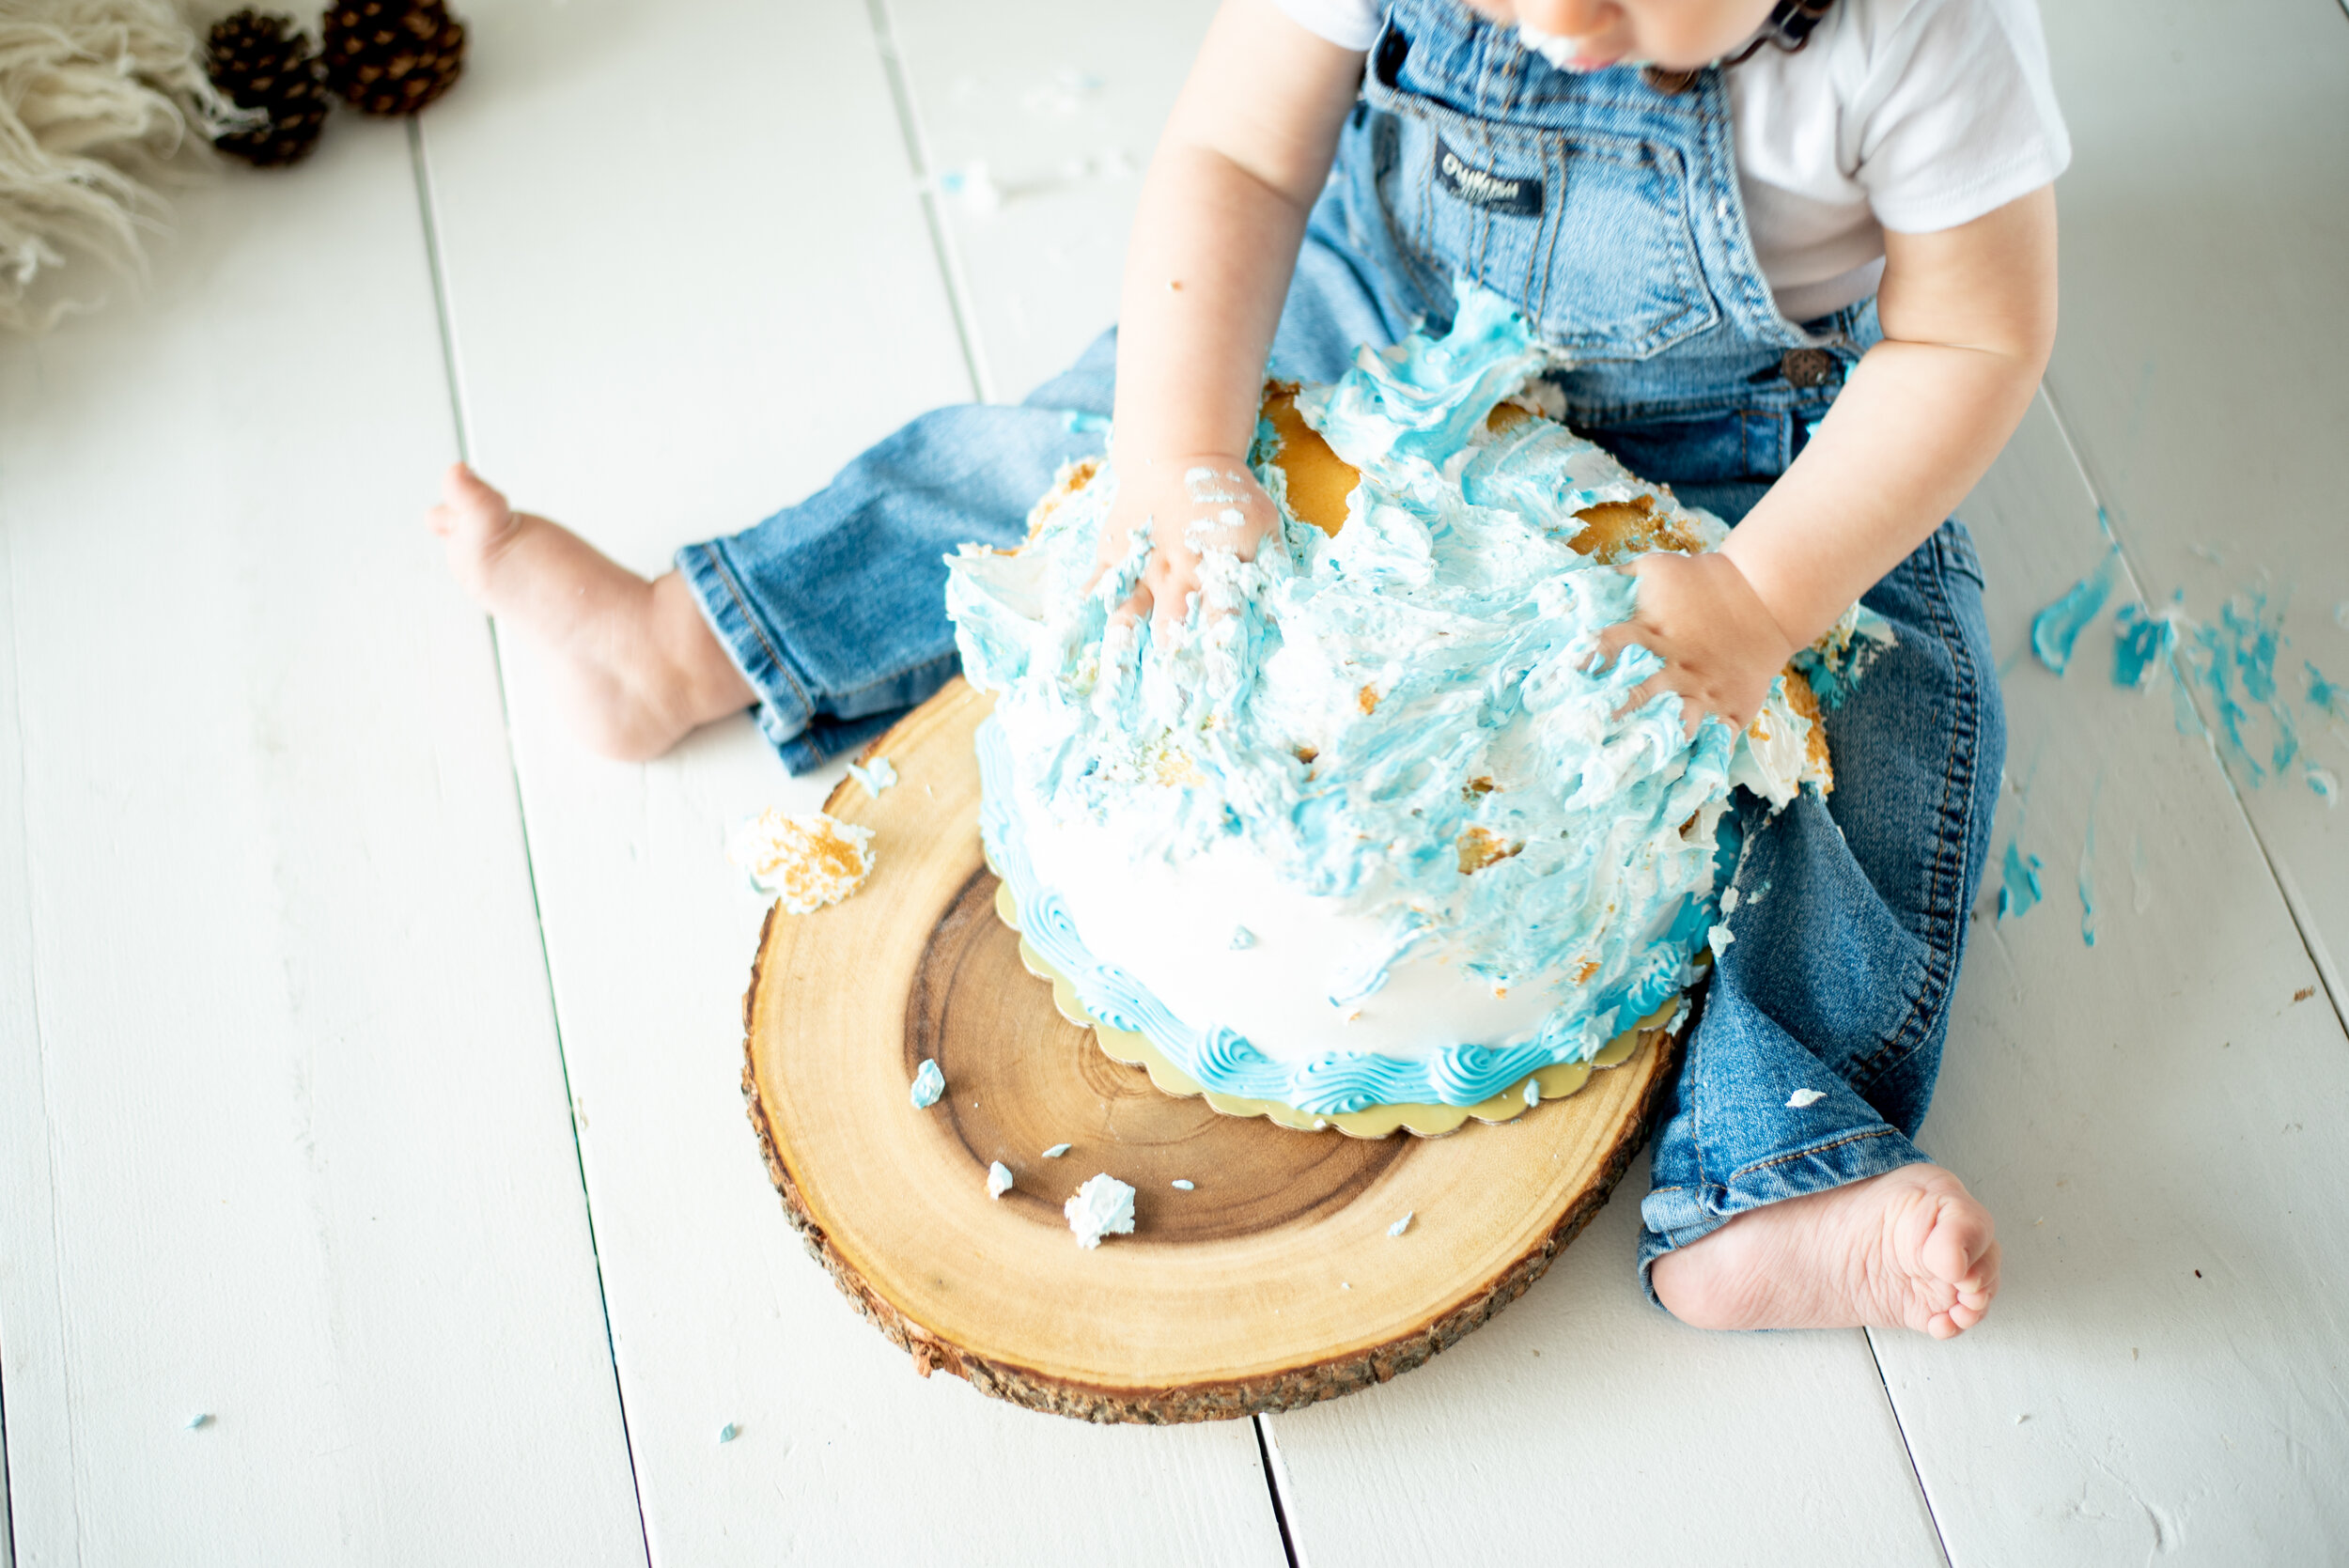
(1609, 213)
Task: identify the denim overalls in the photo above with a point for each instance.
(1609, 213)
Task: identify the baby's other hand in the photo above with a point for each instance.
(1720, 645)
(1185, 504)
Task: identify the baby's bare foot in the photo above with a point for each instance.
(1911, 1249)
(640, 667)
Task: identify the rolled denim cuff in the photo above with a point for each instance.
(803, 735)
(785, 707)
(1676, 1215)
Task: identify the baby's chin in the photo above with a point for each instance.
(1564, 52)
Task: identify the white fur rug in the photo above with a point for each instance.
(100, 101)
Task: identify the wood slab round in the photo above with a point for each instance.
(1272, 1283)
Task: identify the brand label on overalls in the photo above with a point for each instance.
(1483, 188)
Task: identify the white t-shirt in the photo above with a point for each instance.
(1909, 114)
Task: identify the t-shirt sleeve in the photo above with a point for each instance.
(1957, 115)
(1348, 24)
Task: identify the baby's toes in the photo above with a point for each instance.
(472, 501)
(1959, 1241)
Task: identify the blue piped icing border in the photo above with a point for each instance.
(1217, 1057)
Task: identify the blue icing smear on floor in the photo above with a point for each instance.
(2326, 697)
(2018, 882)
(2018, 877)
(2141, 645)
(2087, 867)
(2054, 629)
(2232, 662)
(2239, 653)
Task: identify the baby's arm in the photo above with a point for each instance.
(1237, 169)
(1969, 317)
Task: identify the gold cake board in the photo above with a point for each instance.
(1271, 1284)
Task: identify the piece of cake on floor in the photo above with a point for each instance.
(1364, 829)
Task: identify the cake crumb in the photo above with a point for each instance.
(1532, 1090)
(727, 1432)
(200, 1419)
(807, 860)
(999, 1179)
(928, 1084)
(1802, 1099)
(1182, 1184)
(1479, 848)
(876, 775)
(1103, 1206)
(1242, 938)
(1719, 937)
(1403, 1224)
(1057, 1151)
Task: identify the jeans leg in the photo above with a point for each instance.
(1849, 931)
(835, 608)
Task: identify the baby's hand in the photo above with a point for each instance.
(1185, 504)
(1719, 643)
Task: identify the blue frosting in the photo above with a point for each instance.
(2141, 643)
(2056, 629)
(1362, 711)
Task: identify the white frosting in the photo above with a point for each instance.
(1103, 1206)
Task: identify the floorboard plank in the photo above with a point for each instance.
(282, 1134)
(2203, 364)
(656, 348)
(1590, 1408)
(2151, 1121)
(1038, 118)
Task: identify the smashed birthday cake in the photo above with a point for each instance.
(1366, 827)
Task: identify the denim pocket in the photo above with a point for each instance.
(1587, 232)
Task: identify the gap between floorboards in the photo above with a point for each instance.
(8, 1510)
(1933, 1515)
(943, 247)
(1275, 1485)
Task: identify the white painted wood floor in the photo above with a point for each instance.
(368, 1055)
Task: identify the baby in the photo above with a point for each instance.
(1800, 261)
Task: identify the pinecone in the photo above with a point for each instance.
(263, 62)
(391, 56)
